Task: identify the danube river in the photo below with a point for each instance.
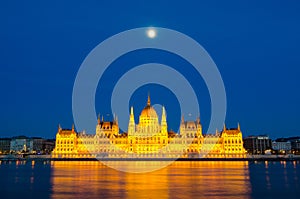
(187, 179)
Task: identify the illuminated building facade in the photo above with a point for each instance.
(21, 144)
(148, 138)
(257, 145)
(5, 145)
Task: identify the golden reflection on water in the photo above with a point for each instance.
(178, 180)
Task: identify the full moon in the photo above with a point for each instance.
(151, 33)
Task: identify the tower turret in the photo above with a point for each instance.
(164, 127)
(98, 126)
(131, 125)
(59, 128)
(199, 127)
(116, 120)
(98, 119)
(182, 126)
(224, 127)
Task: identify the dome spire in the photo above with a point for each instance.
(149, 101)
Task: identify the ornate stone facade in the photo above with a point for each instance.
(149, 138)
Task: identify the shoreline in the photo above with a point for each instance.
(249, 159)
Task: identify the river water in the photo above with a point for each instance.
(187, 179)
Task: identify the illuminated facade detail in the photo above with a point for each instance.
(66, 141)
(149, 138)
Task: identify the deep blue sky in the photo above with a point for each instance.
(255, 45)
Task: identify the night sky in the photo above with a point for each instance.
(255, 45)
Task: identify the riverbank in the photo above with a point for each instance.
(248, 158)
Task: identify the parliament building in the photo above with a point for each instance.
(148, 138)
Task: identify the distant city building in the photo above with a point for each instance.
(257, 144)
(5, 145)
(295, 143)
(21, 144)
(37, 144)
(282, 145)
(148, 138)
(48, 146)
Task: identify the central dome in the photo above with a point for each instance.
(148, 111)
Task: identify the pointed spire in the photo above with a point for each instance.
(217, 132)
(198, 120)
(163, 115)
(59, 127)
(163, 111)
(73, 127)
(102, 119)
(131, 110)
(224, 128)
(98, 118)
(239, 127)
(131, 120)
(149, 101)
(164, 126)
(117, 120)
(182, 119)
(131, 124)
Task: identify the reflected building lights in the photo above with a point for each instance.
(266, 164)
(94, 179)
